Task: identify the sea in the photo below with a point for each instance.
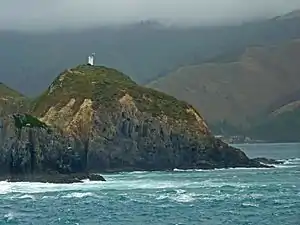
(183, 197)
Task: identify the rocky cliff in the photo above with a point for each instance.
(98, 119)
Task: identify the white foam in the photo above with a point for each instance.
(180, 196)
(32, 188)
(184, 198)
(26, 197)
(222, 169)
(4, 187)
(189, 170)
(293, 161)
(113, 183)
(9, 217)
(129, 181)
(138, 172)
(216, 183)
(79, 195)
(47, 197)
(249, 204)
(284, 166)
(180, 191)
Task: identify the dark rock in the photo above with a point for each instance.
(96, 177)
(268, 161)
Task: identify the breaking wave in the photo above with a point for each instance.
(9, 217)
(79, 195)
(184, 196)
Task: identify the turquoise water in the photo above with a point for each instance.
(233, 196)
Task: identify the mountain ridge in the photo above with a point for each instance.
(282, 125)
(239, 90)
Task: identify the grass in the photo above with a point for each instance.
(8, 92)
(105, 87)
(26, 120)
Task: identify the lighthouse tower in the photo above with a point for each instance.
(91, 59)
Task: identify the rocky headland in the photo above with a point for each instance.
(95, 119)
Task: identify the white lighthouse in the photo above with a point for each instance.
(91, 59)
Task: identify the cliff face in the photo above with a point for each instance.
(97, 119)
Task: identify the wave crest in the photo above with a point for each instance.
(79, 195)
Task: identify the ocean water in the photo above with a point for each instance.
(232, 196)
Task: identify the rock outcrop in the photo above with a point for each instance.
(97, 119)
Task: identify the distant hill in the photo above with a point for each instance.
(11, 101)
(146, 51)
(7, 92)
(292, 15)
(241, 86)
(283, 125)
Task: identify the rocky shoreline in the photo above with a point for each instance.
(96, 119)
(268, 162)
(58, 178)
(53, 178)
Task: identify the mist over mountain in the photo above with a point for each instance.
(48, 15)
(145, 51)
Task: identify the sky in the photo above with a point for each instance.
(51, 14)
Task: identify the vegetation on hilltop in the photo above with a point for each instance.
(26, 120)
(106, 87)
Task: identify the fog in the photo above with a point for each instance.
(51, 14)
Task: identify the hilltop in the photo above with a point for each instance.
(291, 15)
(11, 101)
(238, 86)
(93, 87)
(94, 118)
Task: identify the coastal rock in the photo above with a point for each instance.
(97, 119)
(268, 161)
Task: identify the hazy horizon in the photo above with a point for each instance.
(47, 15)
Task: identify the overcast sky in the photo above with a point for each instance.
(48, 14)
